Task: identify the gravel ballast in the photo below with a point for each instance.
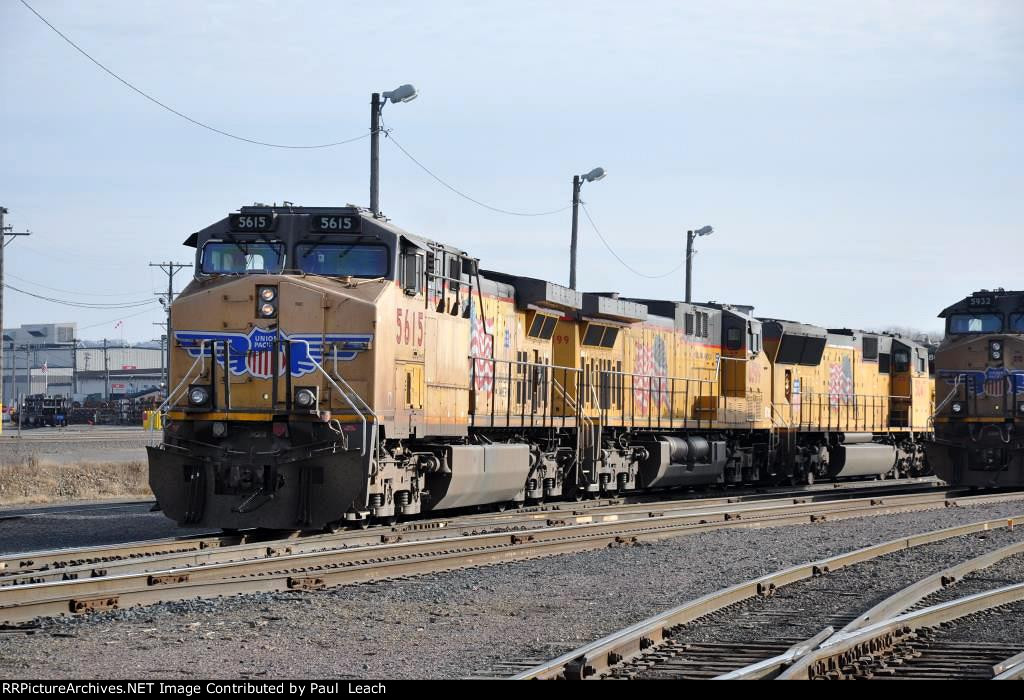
(447, 625)
(87, 528)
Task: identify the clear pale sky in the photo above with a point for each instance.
(861, 161)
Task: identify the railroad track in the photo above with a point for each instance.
(721, 635)
(529, 516)
(318, 562)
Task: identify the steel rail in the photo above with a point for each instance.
(916, 592)
(26, 562)
(1011, 669)
(595, 658)
(319, 569)
(841, 650)
(253, 547)
(81, 559)
(895, 604)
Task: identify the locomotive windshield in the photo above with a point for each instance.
(241, 257)
(1017, 323)
(353, 260)
(975, 323)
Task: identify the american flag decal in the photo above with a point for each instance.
(260, 362)
(481, 345)
(650, 387)
(996, 387)
(840, 381)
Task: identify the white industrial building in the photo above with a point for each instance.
(49, 358)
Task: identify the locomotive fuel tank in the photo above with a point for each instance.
(857, 456)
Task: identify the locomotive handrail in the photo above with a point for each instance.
(942, 405)
(775, 410)
(341, 379)
(309, 356)
(162, 408)
(369, 410)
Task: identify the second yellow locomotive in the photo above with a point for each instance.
(330, 367)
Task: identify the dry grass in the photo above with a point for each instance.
(26, 480)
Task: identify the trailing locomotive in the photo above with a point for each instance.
(329, 367)
(979, 390)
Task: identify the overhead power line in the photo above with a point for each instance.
(119, 318)
(76, 293)
(465, 196)
(170, 109)
(85, 305)
(619, 258)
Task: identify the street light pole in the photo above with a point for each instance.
(577, 184)
(690, 235)
(689, 262)
(404, 93)
(375, 108)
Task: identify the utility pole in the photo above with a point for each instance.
(74, 369)
(170, 269)
(106, 373)
(5, 231)
(163, 353)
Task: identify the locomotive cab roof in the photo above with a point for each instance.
(984, 300)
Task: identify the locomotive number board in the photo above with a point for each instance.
(251, 222)
(334, 223)
(975, 302)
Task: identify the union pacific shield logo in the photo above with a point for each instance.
(252, 353)
(993, 382)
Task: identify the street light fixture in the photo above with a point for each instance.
(403, 93)
(577, 184)
(690, 235)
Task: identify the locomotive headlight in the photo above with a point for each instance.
(198, 396)
(220, 429)
(958, 408)
(996, 354)
(305, 398)
(1020, 408)
(995, 349)
(996, 346)
(266, 302)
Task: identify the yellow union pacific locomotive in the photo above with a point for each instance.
(328, 366)
(979, 390)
